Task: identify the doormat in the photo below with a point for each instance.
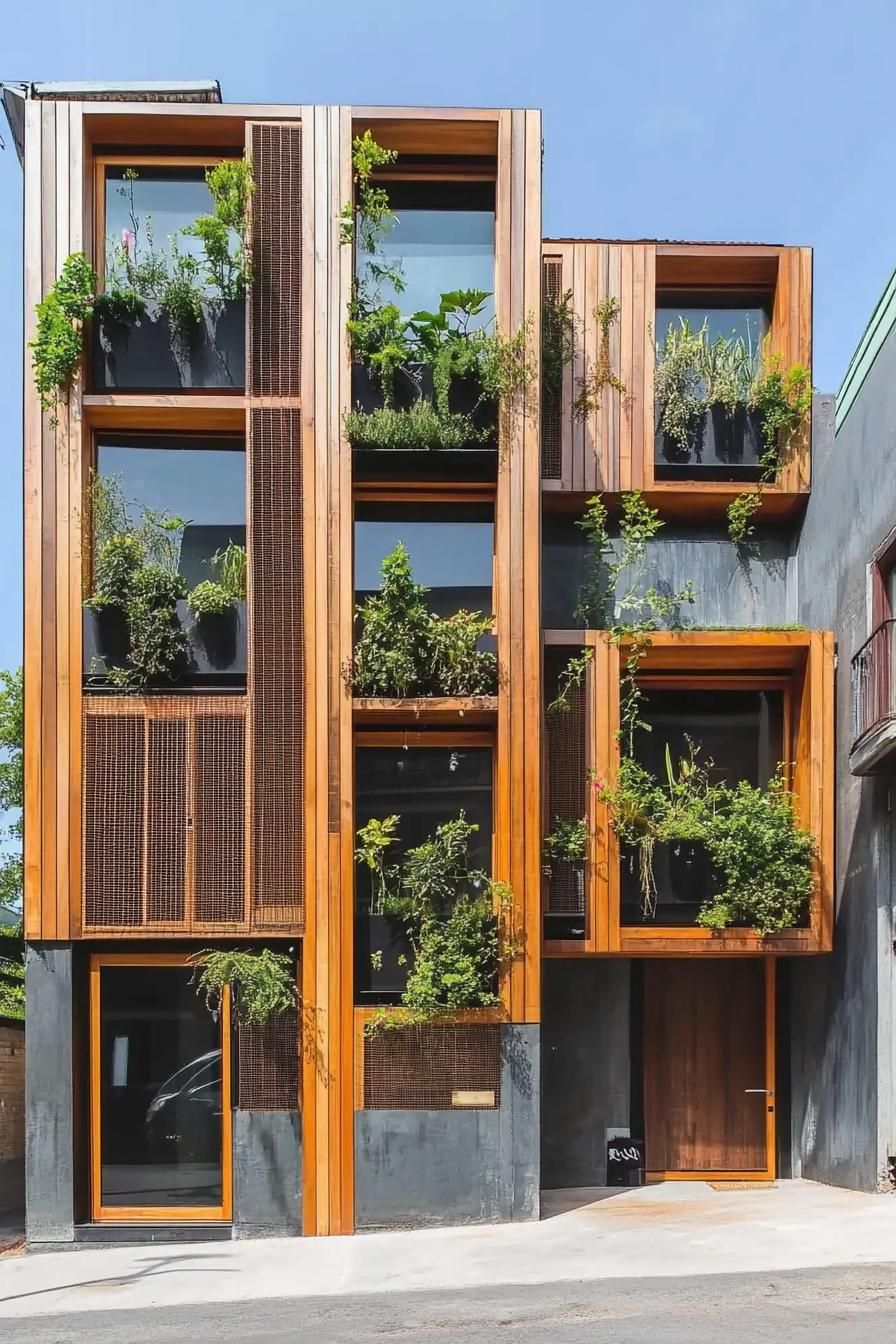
(741, 1185)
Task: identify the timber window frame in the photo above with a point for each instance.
(114, 1214)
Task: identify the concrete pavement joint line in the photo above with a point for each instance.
(657, 1232)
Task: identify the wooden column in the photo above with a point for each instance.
(52, 523)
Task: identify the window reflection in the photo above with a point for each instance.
(144, 212)
(202, 481)
(161, 1119)
(444, 239)
(734, 316)
(451, 549)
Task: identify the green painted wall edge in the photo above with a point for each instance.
(881, 323)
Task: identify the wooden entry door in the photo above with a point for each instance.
(709, 1067)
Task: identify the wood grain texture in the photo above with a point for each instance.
(612, 449)
(706, 1067)
(801, 664)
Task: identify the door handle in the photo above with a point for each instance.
(762, 1091)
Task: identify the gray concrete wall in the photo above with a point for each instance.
(841, 1005)
(586, 1067)
(49, 1118)
(435, 1168)
(267, 1174)
(731, 589)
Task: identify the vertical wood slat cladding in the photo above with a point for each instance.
(52, 476)
(114, 820)
(164, 815)
(518, 834)
(275, 484)
(275, 307)
(612, 448)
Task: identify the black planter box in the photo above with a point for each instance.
(385, 982)
(721, 447)
(412, 383)
(215, 654)
(139, 355)
(684, 880)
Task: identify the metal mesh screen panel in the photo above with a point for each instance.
(219, 820)
(566, 764)
(435, 1067)
(277, 666)
(167, 823)
(275, 300)
(551, 400)
(164, 793)
(268, 1065)
(114, 766)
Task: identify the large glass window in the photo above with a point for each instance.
(451, 548)
(444, 239)
(734, 316)
(147, 207)
(202, 481)
(161, 1120)
(739, 734)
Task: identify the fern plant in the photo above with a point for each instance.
(263, 984)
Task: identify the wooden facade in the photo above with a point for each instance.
(292, 808)
(611, 449)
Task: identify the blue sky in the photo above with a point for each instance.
(707, 119)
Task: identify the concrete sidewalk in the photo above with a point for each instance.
(671, 1230)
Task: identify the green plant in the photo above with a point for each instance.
(457, 919)
(406, 650)
(12, 799)
(212, 597)
(559, 333)
(764, 859)
(374, 839)
(392, 652)
(458, 665)
(263, 983)
(224, 233)
(678, 387)
(371, 206)
(782, 397)
(567, 841)
(136, 572)
(378, 340)
(419, 428)
(595, 382)
(59, 339)
(571, 676)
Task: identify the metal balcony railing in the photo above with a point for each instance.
(873, 682)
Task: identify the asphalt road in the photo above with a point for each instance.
(831, 1306)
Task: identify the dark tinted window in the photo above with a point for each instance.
(202, 481)
(160, 1091)
(444, 240)
(740, 736)
(451, 549)
(726, 314)
(425, 786)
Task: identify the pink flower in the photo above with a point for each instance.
(128, 240)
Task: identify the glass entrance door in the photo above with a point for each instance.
(160, 1093)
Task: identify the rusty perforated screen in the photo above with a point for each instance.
(267, 1076)
(275, 300)
(551, 400)
(565, 786)
(164, 794)
(277, 666)
(435, 1067)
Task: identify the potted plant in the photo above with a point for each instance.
(218, 607)
(564, 852)
(455, 920)
(404, 650)
(172, 312)
(383, 949)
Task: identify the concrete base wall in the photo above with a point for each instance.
(267, 1174)
(586, 1068)
(442, 1168)
(49, 1118)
